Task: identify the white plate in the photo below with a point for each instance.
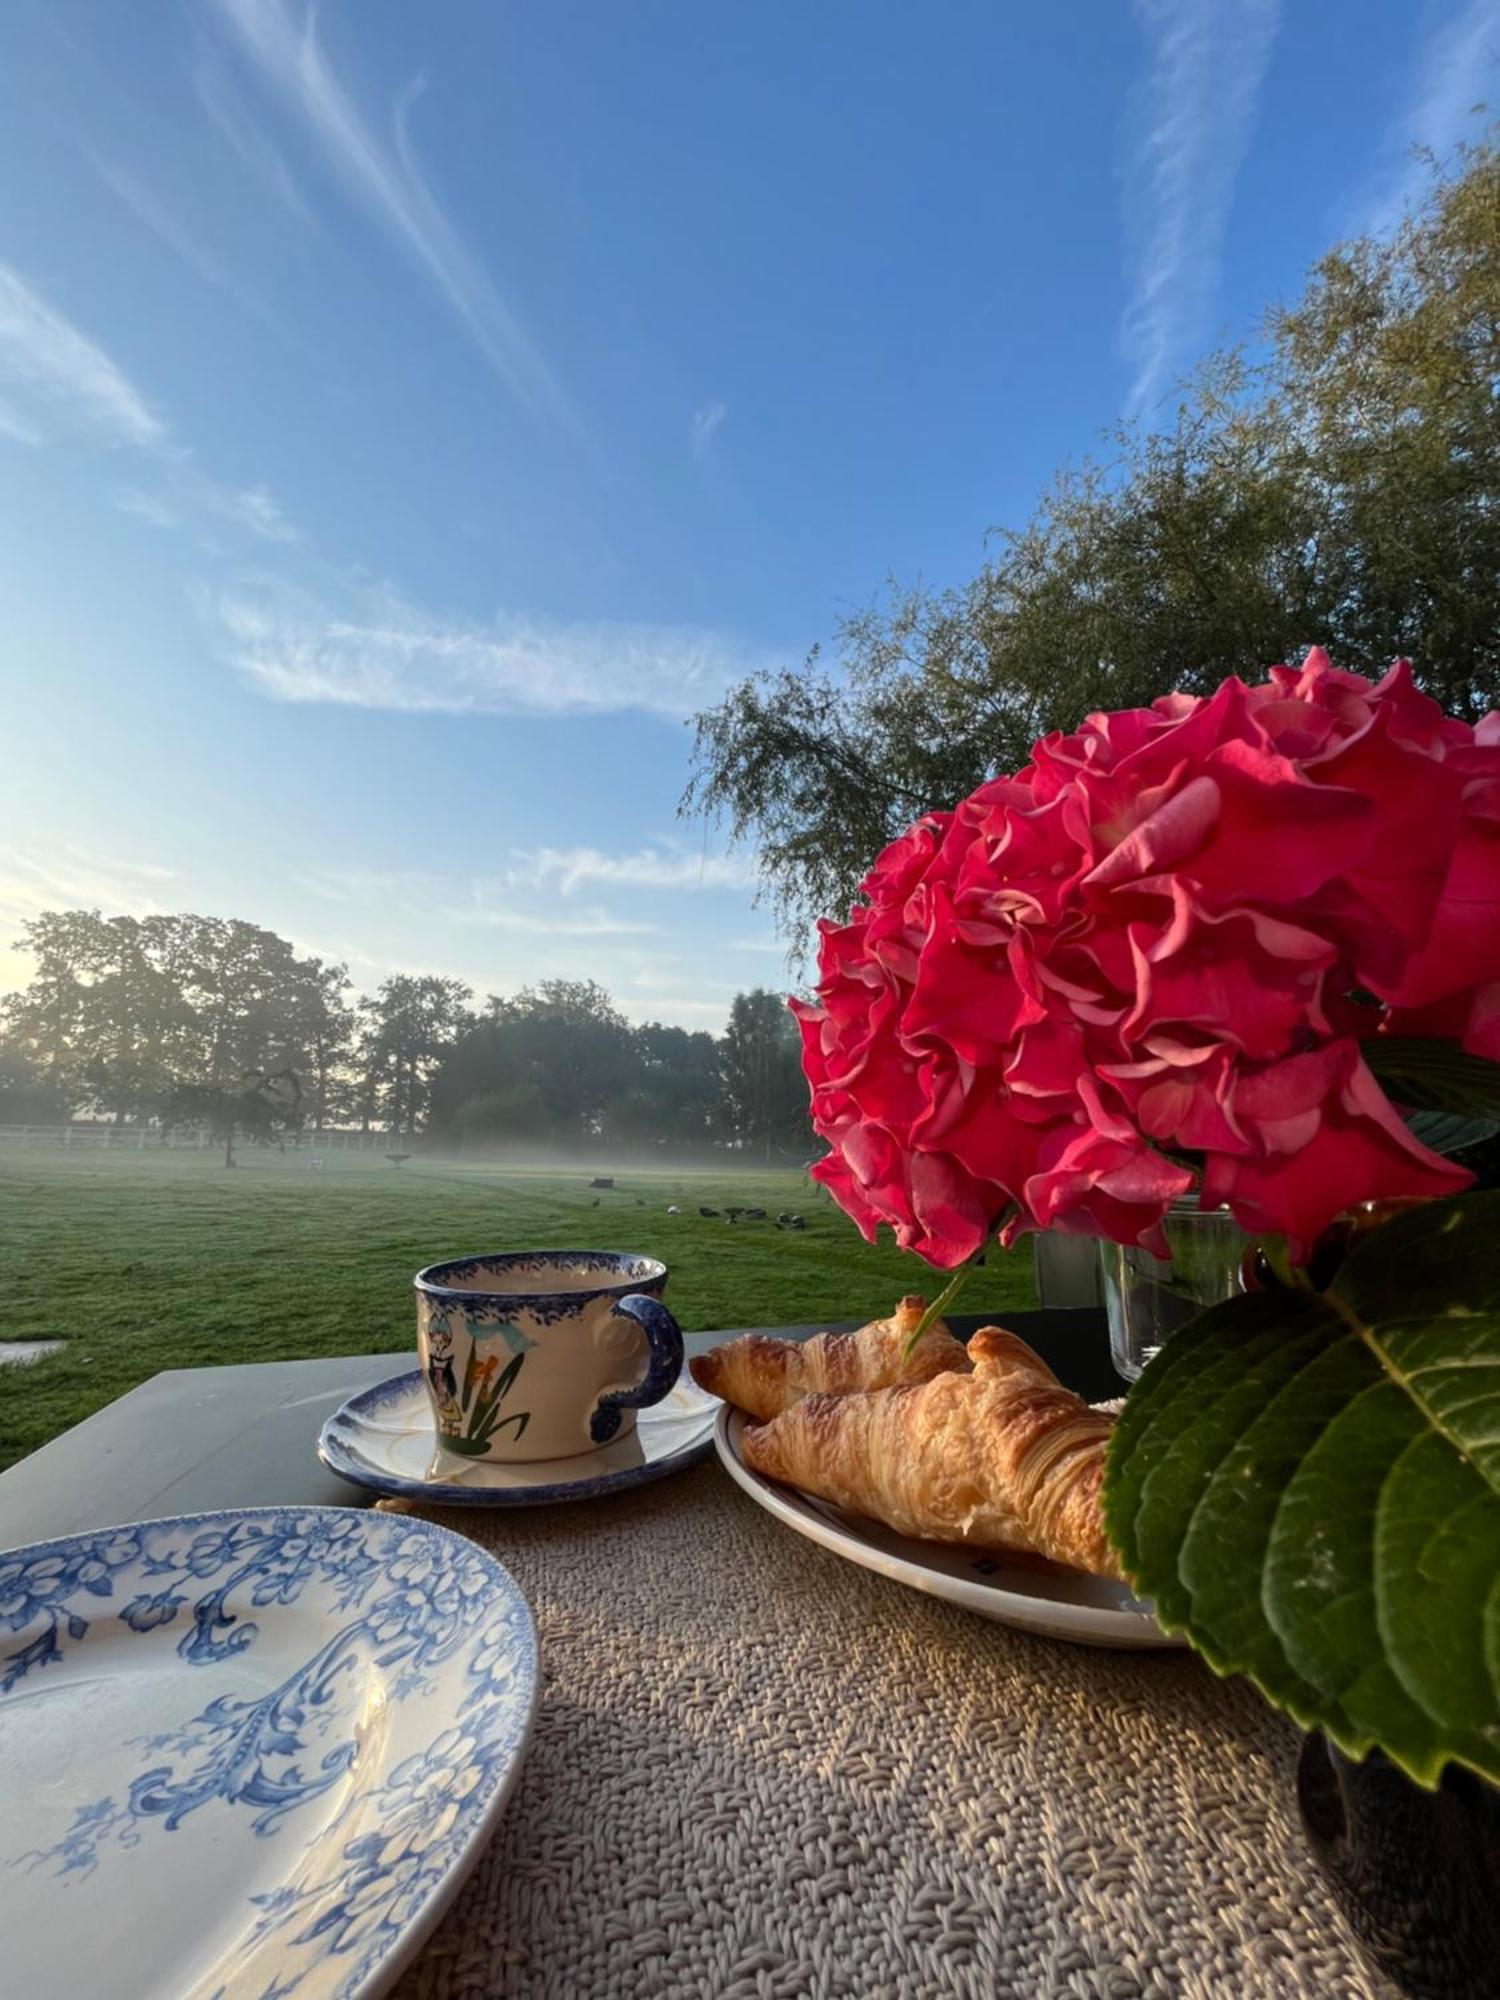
(250, 1753)
(1058, 1603)
(385, 1439)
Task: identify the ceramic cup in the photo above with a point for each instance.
(534, 1354)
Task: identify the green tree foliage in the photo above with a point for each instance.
(1339, 485)
(763, 1101)
(218, 1024)
(322, 1027)
(674, 1101)
(410, 1023)
(261, 1106)
(559, 1064)
(27, 1095)
(123, 1012)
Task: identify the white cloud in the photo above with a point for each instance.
(145, 507)
(365, 885)
(1193, 122)
(765, 944)
(281, 42)
(155, 212)
(569, 868)
(150, 209)
(48, 362)
(475, 905)
(191, 500)
(222, 102)
(34, 878)
(706, 423)
(1457, 68)
(482, 913)
(674, 1010)
(257, 509)
(387, 654)
(15, 427)
(45, 359)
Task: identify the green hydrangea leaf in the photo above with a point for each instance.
(1433, 1075)
(1308, 1487)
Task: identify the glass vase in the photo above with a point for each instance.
(1147, 1298)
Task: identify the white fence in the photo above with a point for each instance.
(140, 1138)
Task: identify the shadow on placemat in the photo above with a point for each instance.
(760, 1771)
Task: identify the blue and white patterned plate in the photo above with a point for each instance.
(249, 1755)
(385, 1439)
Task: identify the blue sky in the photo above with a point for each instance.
(410, 415)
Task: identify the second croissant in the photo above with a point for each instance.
(1003, 1458)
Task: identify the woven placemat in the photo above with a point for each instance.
(761, 1773)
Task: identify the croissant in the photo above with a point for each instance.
(1003, 1458)
(764, 1376)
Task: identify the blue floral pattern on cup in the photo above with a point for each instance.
(537, 1355)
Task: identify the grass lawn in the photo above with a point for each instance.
(142, 1261)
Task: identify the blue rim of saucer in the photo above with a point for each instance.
(347, 1464)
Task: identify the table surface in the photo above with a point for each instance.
(193, 1439)
(761, 1773)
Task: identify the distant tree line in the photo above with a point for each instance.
(211, 1022)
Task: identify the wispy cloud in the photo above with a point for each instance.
(387, 654)
(189, 500)
(36, 877)
(706, 424)
(569, 868)
(226, 108)
(45, 359)
(281, 41)
(142, 506)
(51, 366)
(485, 914)
(1457, 68)
(370, 649)
(15, 427)
(477, 904)
(673, 1010)
(156, 213)
(1191, 126)
(256, 509)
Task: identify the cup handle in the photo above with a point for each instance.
(663, 1366)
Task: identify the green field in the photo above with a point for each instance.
(144, 1261)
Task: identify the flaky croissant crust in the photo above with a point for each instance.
(764, 1376)
(1002, 1458)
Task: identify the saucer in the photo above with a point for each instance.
(384, 1439)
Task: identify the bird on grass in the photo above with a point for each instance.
(711, 1213)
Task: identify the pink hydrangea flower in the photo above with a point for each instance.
(1169, 935)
